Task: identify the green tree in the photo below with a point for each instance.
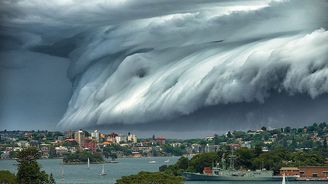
(216, 139)
(113, 155)
(258, 150)
(182, 163)
(245, 157)
(28, 168)
(150, 178)
(7, 177)
(198, 162)
(51, 179)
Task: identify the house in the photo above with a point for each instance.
(136, 154)
(61, 150)
(23, 144)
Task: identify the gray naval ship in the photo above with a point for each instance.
(222, 174)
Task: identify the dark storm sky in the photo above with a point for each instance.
(182, 69)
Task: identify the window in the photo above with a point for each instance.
(314, 175)
(325, 173)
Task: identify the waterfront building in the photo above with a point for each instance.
(314, 172)
(61, 150)
(44, 148)
(306, 172)
(289, 171)
(136, 154)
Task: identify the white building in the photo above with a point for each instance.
(61, 150)
(95, 135)
(120, 138)
(23, 144)
(132, 138)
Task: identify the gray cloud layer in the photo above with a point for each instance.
(170, 61)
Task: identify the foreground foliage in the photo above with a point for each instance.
(7, 177)
(150, 178)
(29, 170)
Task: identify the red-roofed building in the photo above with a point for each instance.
(160, 140)
(90, 144)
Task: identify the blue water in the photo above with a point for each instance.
(74, 174)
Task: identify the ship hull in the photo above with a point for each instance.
(203, 177)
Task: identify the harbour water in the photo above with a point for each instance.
(80, 174)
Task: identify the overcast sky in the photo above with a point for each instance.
(185, 68)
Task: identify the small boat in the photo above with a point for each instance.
(152, 162)
(103, 171)
(62, 173)
(88, 163)
(167, 161)
(113, 161)
(283, 179)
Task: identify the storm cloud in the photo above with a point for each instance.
(191, 64)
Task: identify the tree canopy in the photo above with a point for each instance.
(150, 178)
(29, 170)
(7, 177)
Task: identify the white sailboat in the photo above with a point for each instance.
(283, 179)
(62, 173)
(103, 171)
(88, 163)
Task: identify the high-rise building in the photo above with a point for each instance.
(79, 137)
(95, 135)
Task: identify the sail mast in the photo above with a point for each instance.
(62, 172)
(283, 179)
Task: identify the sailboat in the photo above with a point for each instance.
(62, 173)
(103, 171)
(88, 163)
(283, 179)
(167, 161)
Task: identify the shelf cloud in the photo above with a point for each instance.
(186, 65)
